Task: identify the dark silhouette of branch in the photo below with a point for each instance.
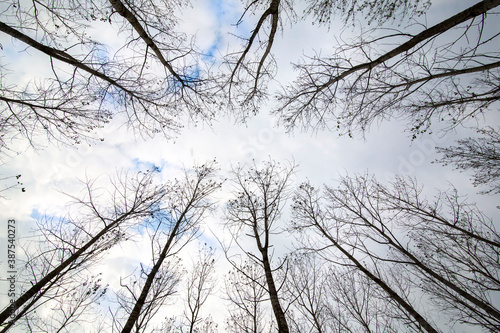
(480, 155)
(405, 82)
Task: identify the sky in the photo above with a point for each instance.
(385, 151)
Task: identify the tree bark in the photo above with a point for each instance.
(273, 294)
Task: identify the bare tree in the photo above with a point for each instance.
(449, 245)
(455, 239)
(42, 254)
(309, 212)
(306, 285)
(365, 306)
(246, 84)
(260, 196)
(37, 264)
(447, 72)
(329, 297)
(249, 74)
(76, 242)
(184, 207)
(481, 155)
(155, 77)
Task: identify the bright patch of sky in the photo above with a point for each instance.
(147, 166)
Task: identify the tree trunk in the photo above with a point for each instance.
(136, 311)
(273, 294)
(392, 294)
(471, 298)
(47, 278)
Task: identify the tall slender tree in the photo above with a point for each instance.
(447, 246)
(79, 241)
(446, 72)
(454, 239)
(260, 195)
(246, 292)
(185, 206)
(162, 290)
(200, 285)
(359, 199)
(309, 213)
